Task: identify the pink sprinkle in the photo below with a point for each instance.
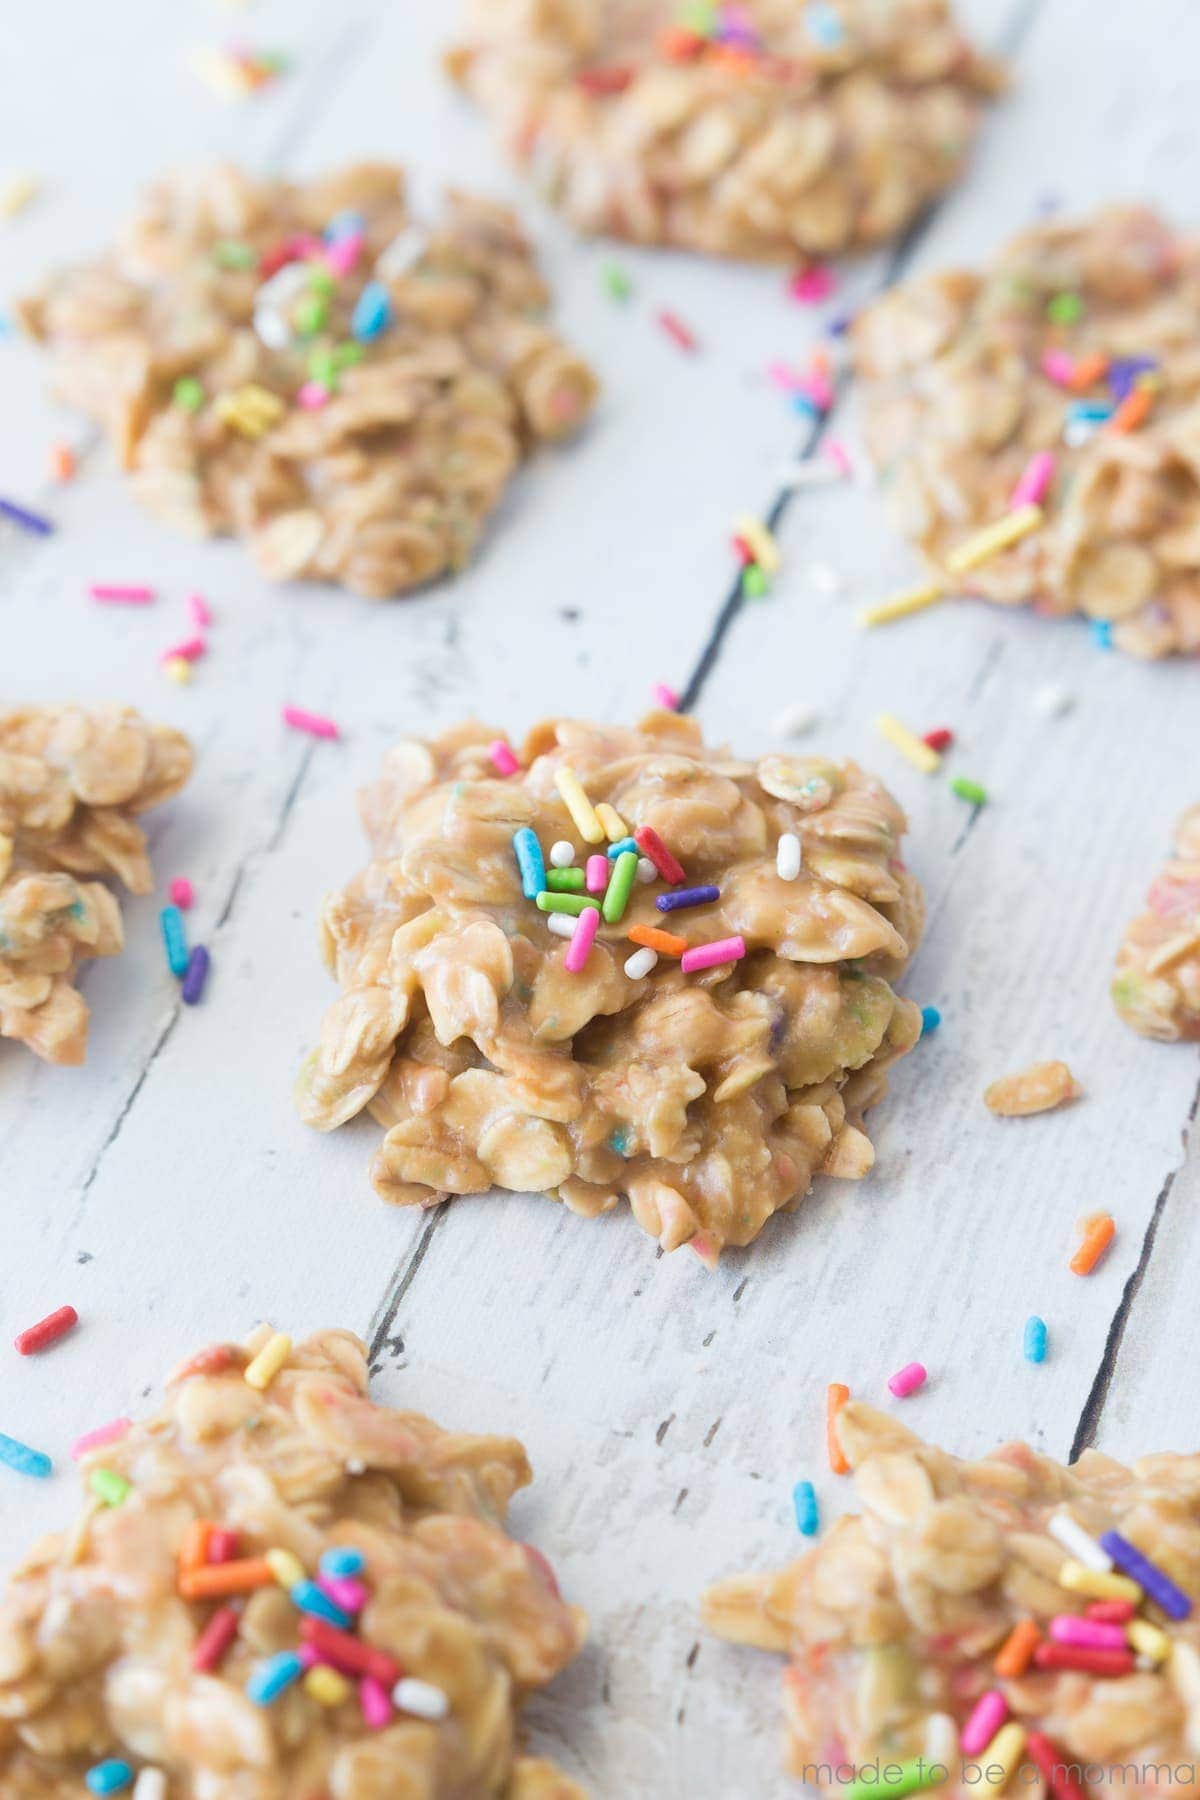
(125, 596)
(503, 757)
(189, 650)
(342, 255)
(200, 610)
(314, 723)
(839, 456)
(103, 1434)
(675, 328)
(222, 1545)
(582, 939)
(710, 956)
(665, 696)
(1036, 477)
(312, 396)
(310, 1656)
(1058, 367)
(345, 1591)
(811, 286)
(376, 1703)
(1091, 1634)
(784, 376)
(907, 1380)
(987, 1716)
(819, 390)
(304, 247)
(181, 893)
(596, 873)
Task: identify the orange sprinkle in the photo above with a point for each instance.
(1016, 1652)
(194, 1546)
(679, 44)
(1087, 371)
(62, 462)
(1133, 411)
(1098, 1234)
(836, 1396)
(665, 942)
(216, 1581)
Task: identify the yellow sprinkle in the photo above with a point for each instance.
(587, 824)
(1148, 1640)
(1077, 1578)
(908, 744)
(178, 668)
(250, 409)
(993, 538)
(1002, 1755)
(270, 1359)
(285, 1567)
(326, 1686)
(911, 601)
(614, 825)
(16, 191)
(766, 550)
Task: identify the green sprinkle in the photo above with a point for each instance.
(322, 367)
(969, 790)
(231, 254)
(311, 314)
(617, 284)
(188, 393)
(896, 1779)
(347, 354)
(620, 886)
(108, 1486)
(754, 582)
(564, 881)
(619, 1141)
(1065, 309)
(566, 903)
(320, 280)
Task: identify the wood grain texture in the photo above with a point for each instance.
(167, 1189)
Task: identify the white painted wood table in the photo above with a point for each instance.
(167, 1189)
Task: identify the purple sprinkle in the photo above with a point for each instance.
(699, 896)
(30, 521)
(839, 326)
(1123, 372)
(1160, 1587)
(195, 975)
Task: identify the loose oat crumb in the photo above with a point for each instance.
(1039, 1088)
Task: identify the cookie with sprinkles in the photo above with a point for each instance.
(279, 1589)
(1003, 1625)
(1156, 987)
(770, 130)
(72, 785)
(309, 367)
(618, 964)
(1036, 426)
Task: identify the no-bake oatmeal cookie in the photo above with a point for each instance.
(768, 130)
(1009, 1615)
(1156, 988)
(309, 367)
(703, 1048)
(72, 783)
(281, 1591)
(1061, 383)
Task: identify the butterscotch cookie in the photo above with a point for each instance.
(1008, 1615)
(1056, 393)
(707, 1041)
(279, 1590)
(770, 130)
(310, 368)
(1156, 988)
(72, 783)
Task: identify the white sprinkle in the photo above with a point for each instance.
(420, 1698)
(1053, 701)
(809, 473)
(794, 721)
(562, 854)
(272, 328)
(403, 253)
(941, 1739)
(561, 924)
(151, 1784)
(640, 963)
(825, 578)
(1079, 432)
(788, 857)
(646, 870)
(1083, 1547)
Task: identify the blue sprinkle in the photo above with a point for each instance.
(806, 406)
(175, 939)
(1101, 630)
(824, 26)
(931, 1018)
(271, 1677)
(342, 1562)
(111, 1777)
(372, 312)
(307, 1597)
(344, 225)
(615, 850)
(1089, 412)
(804, 1500)
(619, 1141)
(530, 861)
(1035, 1339)
(25, 1461)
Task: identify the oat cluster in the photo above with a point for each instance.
(709, 1101)
(309, 368)
(967, 376)
(96, 1640)
(1156, 988)
(71, 786)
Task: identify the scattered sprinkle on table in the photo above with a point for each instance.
(1098, 1234)
(812, 285)
(1036, 1339)
(910, 746)
(969, 791)
(121, 594)
(804, 1503)
(761, 542)
(939, 740)
(25, 1461)
(28, 521)
(675, 329)
(615, 281)
(16, 193)
(195, 976)
(181, 893)
(315, 724)
(907, 1380)
(913, 600)
(99, 1437)
(1052, 701)
(174, 940)
(931, 1018)
(47, 1331)
(794, 721)
(1102, 633)
(199, 611)
(664, 696)
(62, 462)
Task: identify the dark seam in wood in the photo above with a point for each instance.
(402, 1280)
